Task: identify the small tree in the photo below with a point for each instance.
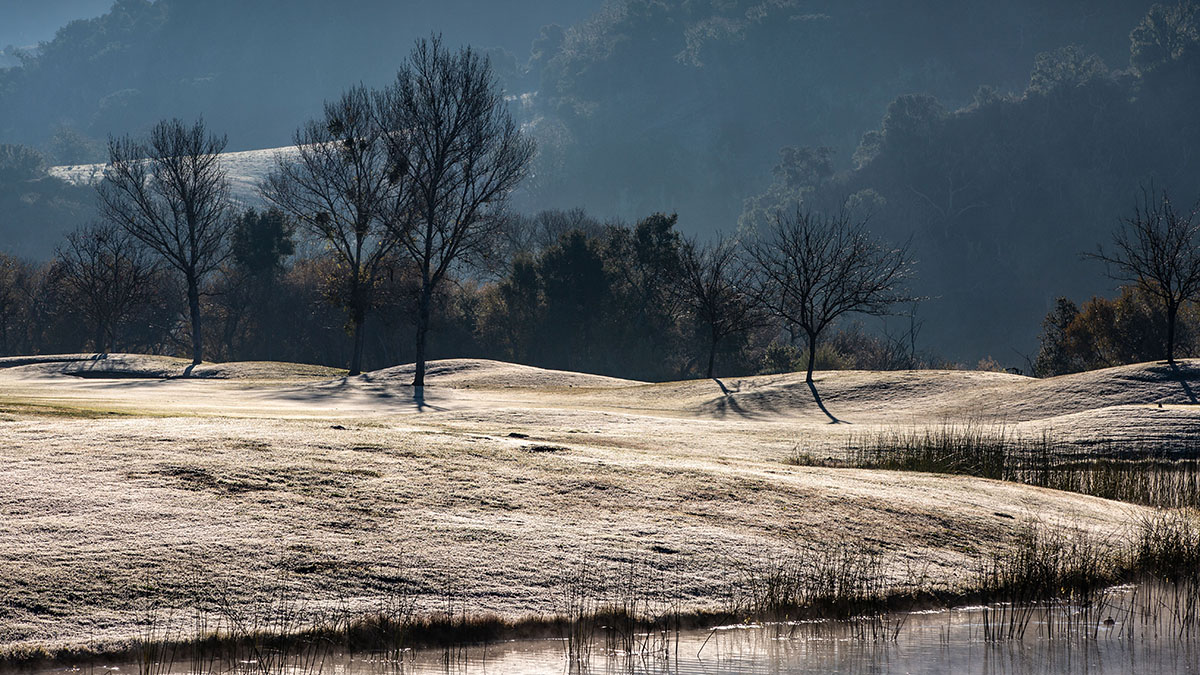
(717, 287)
(17, 278)
(172, 194)
(341, 183)
(1158, 248)
(451, 132)
(246, 297)
(109, 277)
(816, 268)
(1055, 355)
(261, 241)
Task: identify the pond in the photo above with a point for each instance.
(1147, 629)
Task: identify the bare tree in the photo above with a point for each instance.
(108, 274)
(816, 268)
(450, 129)
(717, 288)
(1158, 248)
(342, 184)
(172, 194)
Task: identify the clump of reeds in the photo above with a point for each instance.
(629, 609)
(971, 449)
(828, 581)
(1147, 473)
(1043, 568)
(1167, 545)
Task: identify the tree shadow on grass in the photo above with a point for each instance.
(812, 386)
(726, 403)
(1179, 375)
(363, 385)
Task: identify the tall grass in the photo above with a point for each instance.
(628, 612)
(1046, 566)
(830, 581)
(1160, 474)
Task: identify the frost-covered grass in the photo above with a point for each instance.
(246, 170)
(486, 490)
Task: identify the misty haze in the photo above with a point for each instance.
(671, 336)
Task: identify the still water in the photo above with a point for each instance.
(1134, 630)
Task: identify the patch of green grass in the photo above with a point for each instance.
(26, 409)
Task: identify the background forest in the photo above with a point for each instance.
(1002, 140)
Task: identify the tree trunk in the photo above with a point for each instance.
(1172, 315)
(359, 318)
(712, 355)
(812, 386)
(422, 332)
(812, 357)
(99, 339)
(194, 306)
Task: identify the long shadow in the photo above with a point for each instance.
(419, 399)
(812, 386)
(1183, 381)
(363, 385)
(726, 403)
(724, 390)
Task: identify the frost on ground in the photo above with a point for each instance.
(132, 481)
(246, 169)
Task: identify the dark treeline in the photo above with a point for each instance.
(1106, 332)
(572, 293)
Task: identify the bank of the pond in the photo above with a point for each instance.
(1044, 568)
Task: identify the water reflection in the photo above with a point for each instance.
(1137, 630)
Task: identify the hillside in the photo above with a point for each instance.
(246, 169)
(122, 474)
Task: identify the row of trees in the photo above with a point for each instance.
(636, 301)
(418, 171)
(401, 191)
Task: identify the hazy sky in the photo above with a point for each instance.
(24, 23)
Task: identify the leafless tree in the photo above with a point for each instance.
(718, 290)
(1158, 248)
(450, 129)
(108, 274)
(815, 268)
(532, 234)
(172, 194)
(343, 186)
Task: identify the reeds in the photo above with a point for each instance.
(628, 612)
(1150, 473)
(1042, 569)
